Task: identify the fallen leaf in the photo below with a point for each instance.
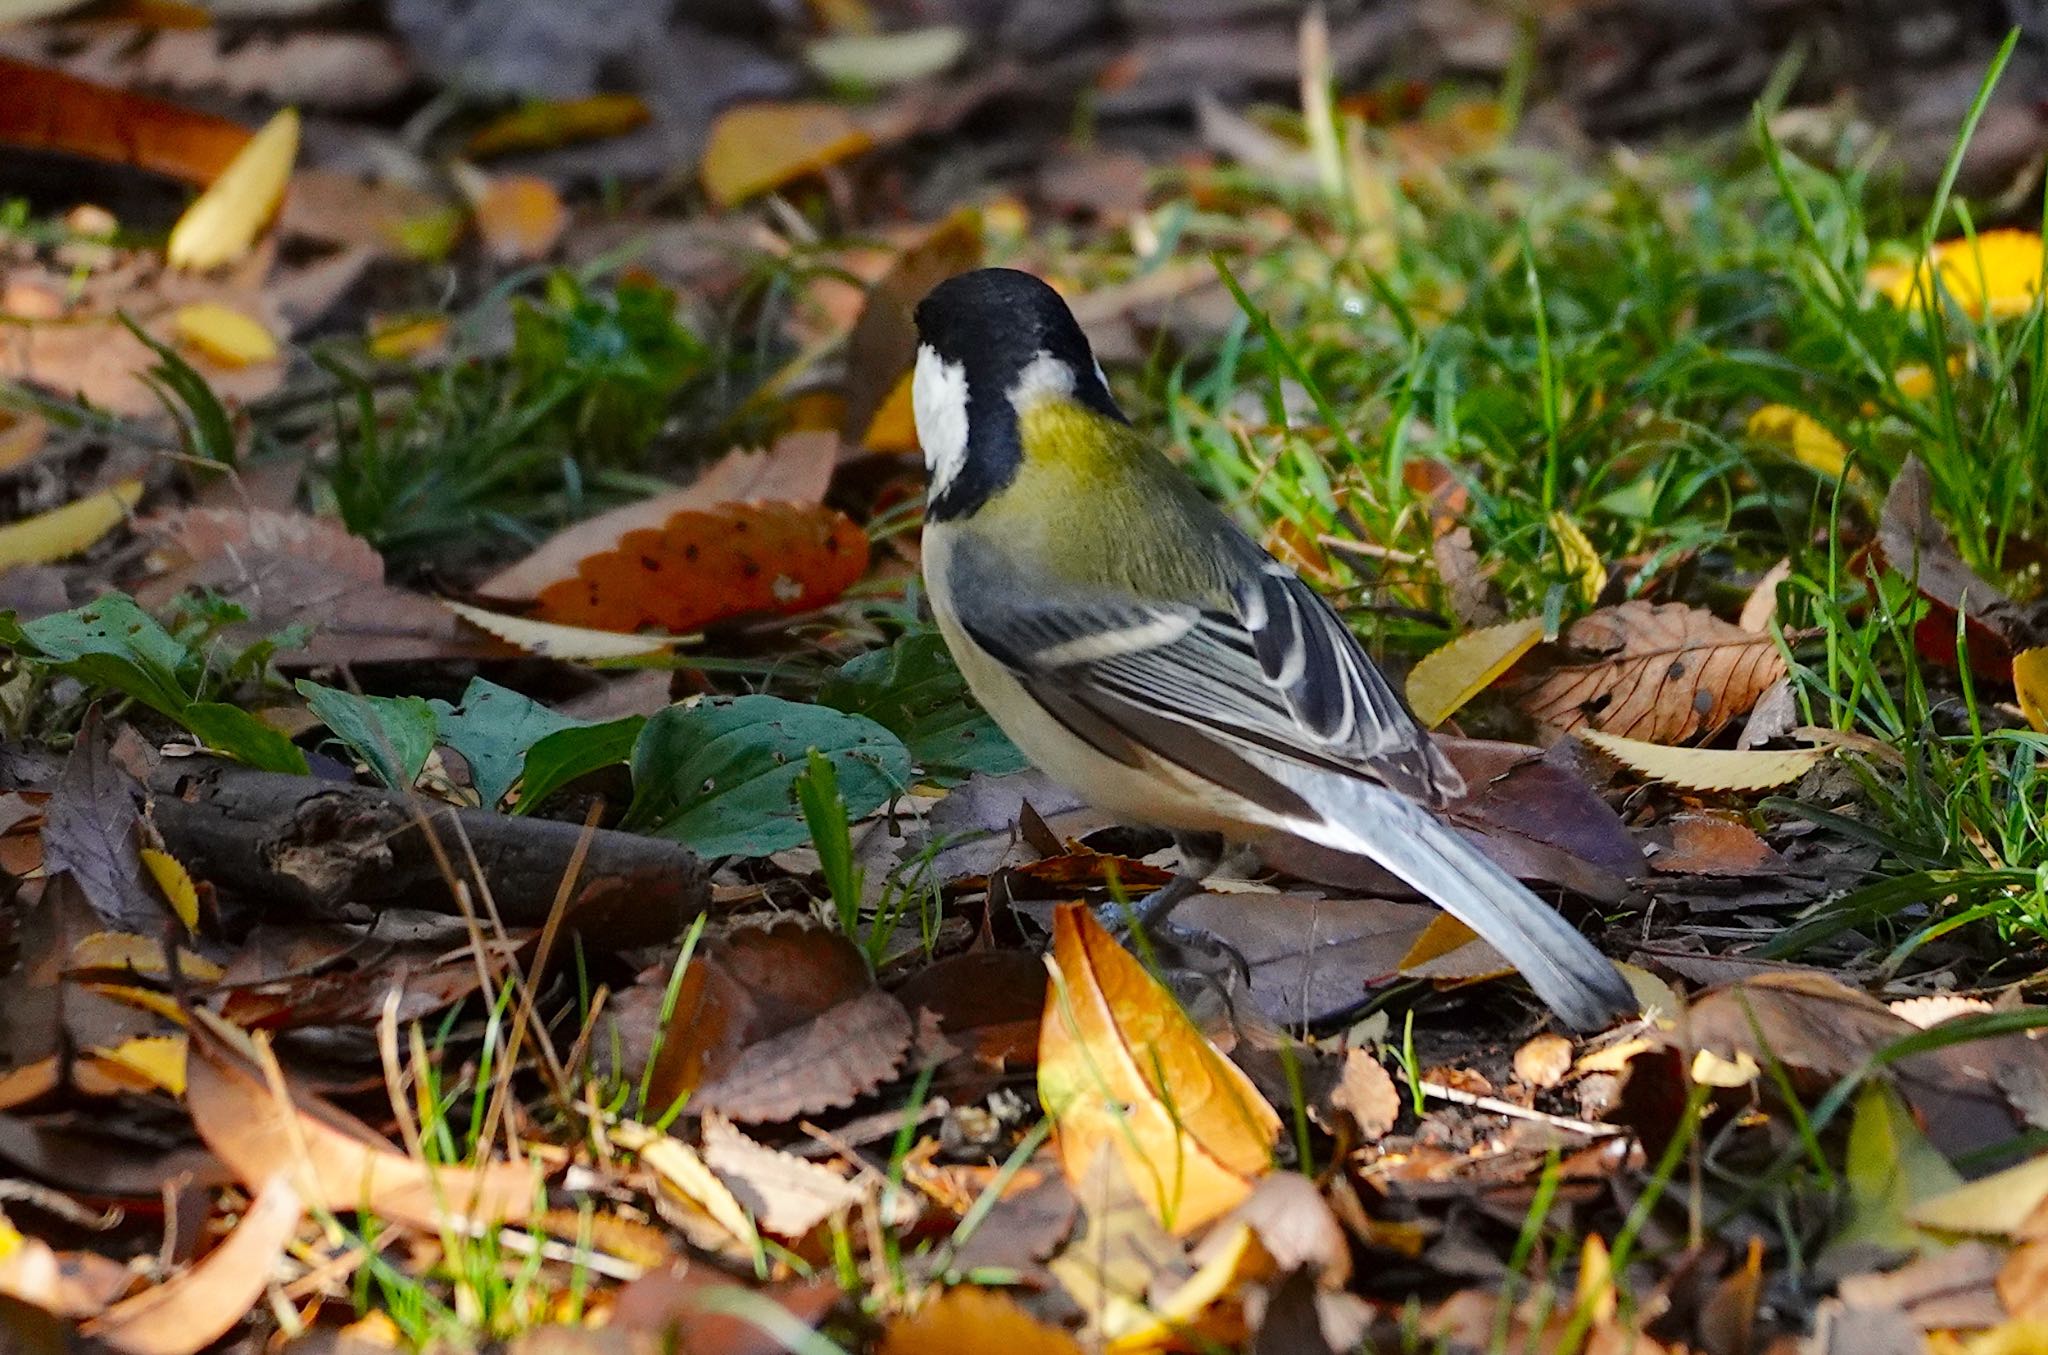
(2030, 684)
(159, 1060)
(1662, 673)
(706, 566)
(785, 1195)
(974, 1319)
(521, 218)
(1582, 563)
(1451, 955)
(1993, 275)
(66, 531)
(874, 60)
(754, 148)
(222, 224)
(93, 830)
(1544, 1061)
(1915, 544)
(1707, 768)
(1121, 1066)
(196, 1307)
(547, 123)
(223, 334)
(1801, 435)
(796, 469)
(882, 345)
(1367, 1094)
(1890, 1168)
(1448, 677)
(548, 640)
(988, 1001)
(345, 1165)
(2004, 1204)
(175, 885)
(49, 110)
(22, 435)
(683, 1171)
(70, 1285)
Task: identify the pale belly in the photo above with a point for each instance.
(1155, 793)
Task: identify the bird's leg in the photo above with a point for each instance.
(1199, 853)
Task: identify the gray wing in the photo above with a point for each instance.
(1218, 691)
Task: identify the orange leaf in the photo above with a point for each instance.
(974, 1319)
(49, 110)
(883, 343)
(520, 218)
(192, 1310)
(758, 147)
(703, 567)
(1121, 1067)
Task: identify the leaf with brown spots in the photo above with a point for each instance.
(703, 567)
(1662, 673)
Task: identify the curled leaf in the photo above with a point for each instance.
(1448, 677)
(1707, 768)
(223, 222)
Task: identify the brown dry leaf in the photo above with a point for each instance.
(1914, 543)
(1707, 768)
(222, 223)
(773, 1022)
(49, 110)
(989, 1002)
(64, 532)
(796, 469)
(1660, 673)
(293, 568)
(193, 1309)
(1367, 1094)
(343, 1162)
(706, 566)
(1448, 677)
(974, 1319)
(717, 1221)
(786, 1195)
(757, 147)
(883, 343)
(1121, 1067)
(66, 1284)
(1708, 844)
(547, 640)
(521, 218)
(1544, 1061)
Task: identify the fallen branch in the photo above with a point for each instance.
(298, 842)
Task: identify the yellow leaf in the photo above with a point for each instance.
(1995, 276)
(757, 147)
(1800, 434)
(974, 1319)
(878, 59)
(1448, 677)
(552, 640)
(66, 531)
(176, 884)
(159, 1059)
(2030, 682)
(1235, 1259)
(397, 337)
(550, 123)
(1121, 1066)
(1452, 954)
(520, 218)
(894, 427)
(144, 955)
(2016, 1336)
(1582, 563)
(227, 336)
(1706, 768)
(224, 221)
(1997, 1205)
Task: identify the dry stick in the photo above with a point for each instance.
(1513, 1111)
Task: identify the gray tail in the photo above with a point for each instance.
(1565, 969)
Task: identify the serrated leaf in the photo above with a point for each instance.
(551, 640)
(1707, 768)
(914, 690)
(1448, 677)
(493, 728)
(224, 221)
(720, 776)
(175, 883)
(66, 531)
(561, 757)
(1582, 562)
(393, 734)
(110, 643)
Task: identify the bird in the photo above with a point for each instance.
(1143, 651)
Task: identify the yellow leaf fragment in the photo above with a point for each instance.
(2001, 1204)
(395, 338)
(974, 1319)
(2030, 682)
(558, 122)
(1121, 1067)
(1706, 768)
(224, 221)
(1200, 1306)
(175, 883)
(1448, 677)
(158, 1059)
(520, 218)
(224, 334)
(1994, 276)
(1582, 562)
(1800, 435)
(758, 147)
(552, 640)
(66, 531)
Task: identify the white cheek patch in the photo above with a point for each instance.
(1043, 376)
(938, 401)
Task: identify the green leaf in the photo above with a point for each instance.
(824, 809)
(109, 643)
(493, 728)
(913, 690)
(235, 732)
(393, 734)
(721, 775)
(561, 757)
(1891, 1167)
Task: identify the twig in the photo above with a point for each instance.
(1513, 1111)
